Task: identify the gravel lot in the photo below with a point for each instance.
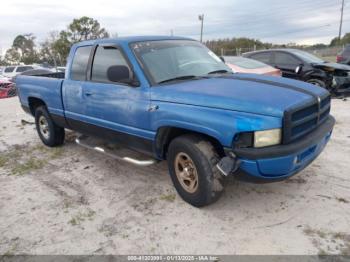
(70, 200)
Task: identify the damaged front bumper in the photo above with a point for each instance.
(341, 84)
(276, 163)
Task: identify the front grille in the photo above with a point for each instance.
(301, 120)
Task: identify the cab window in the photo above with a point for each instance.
(105, 57)
(80, 62)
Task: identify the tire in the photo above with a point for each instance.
(210, 182)
(317, 82)
(49, 133)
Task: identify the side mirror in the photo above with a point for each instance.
(222, 59)
(298, 69)
(119, 73)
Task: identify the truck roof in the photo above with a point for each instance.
(131, 39)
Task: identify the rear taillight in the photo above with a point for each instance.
(3, 93)
(339, 58)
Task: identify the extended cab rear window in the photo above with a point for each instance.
(80, 62)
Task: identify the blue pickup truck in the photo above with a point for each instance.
(173, 99)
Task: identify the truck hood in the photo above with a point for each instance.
(240, 92)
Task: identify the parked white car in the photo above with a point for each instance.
(12, 71)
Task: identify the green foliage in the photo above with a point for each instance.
(2, 61)
(234, 43)
(85, 28)
(24, 47)
(343, 41)
(12, 56)
(346, 39)
(56, 47)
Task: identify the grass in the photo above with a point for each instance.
(10, 252)
(28, 166)
(81, 217)
(21, 159)
(169, 197)
(3, 160)
(336, 237)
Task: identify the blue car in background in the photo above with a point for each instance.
(173, 99)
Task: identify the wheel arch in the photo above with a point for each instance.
(35, 102)
(166, 134)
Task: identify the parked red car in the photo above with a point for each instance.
(7, 89)
(240, 64)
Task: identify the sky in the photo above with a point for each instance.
(276, 21)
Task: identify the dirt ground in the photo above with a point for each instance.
(70, 200)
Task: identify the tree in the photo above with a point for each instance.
(55, 49)
(334, 41)
(230, 46)
(62, 46)
(343, 41)
(24, 45)
(2, 61)
(85, 28)
(346, 39)
(52, 51)
(12, 56)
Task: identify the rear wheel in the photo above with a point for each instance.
(192, 166)
(49, 133)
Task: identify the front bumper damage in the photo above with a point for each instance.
(341, 84)
(276, 163)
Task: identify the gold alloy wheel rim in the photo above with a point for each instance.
(44, 127)
(186, 172)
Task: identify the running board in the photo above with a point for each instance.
(110, 150)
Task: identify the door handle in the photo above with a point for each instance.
(89, 93)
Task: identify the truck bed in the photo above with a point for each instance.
(48, 89)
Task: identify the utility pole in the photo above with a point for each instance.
(201, 18)
(341, 20)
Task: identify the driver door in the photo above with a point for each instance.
(116, 111)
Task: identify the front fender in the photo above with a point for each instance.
(220, 124)
(316, 73)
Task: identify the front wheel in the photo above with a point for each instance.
(317, 82)
(49, 133)
(192, 166)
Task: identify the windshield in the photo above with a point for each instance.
(177, 59)
(244, 62)
(307, 56)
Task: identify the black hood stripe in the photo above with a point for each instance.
(273, 83)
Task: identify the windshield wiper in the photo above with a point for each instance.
(221, 71)
(188, 77)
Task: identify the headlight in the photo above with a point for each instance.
(267, 137)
